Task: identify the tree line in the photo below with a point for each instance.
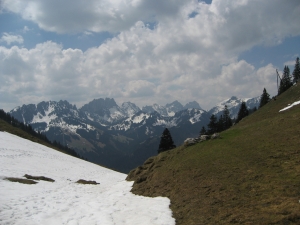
(28, 129)
(287, 80)
(224, 121)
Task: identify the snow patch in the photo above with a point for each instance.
(64, 201)
(290, 106)
(140, 118)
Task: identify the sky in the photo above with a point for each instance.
(64, 201)
(144, 51)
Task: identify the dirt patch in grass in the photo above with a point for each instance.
(20, 180)
(38, 178)
(81, 181)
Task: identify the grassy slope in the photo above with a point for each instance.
(250, 176)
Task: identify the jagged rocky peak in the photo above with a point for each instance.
(174, 106)
(162, 110)
(27, 113)
(24, 113)
(170, 109)
(192, 105)
(51, 106)
(233, 98)
(99, 104)
(130, 108)
(66, 104)
(148, 109)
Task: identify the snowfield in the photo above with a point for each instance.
(64, 201)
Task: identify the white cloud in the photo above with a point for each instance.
(9, 38)
(96, 15)
(181, 58)
(139, 88)
(25, 29)
(290, 63)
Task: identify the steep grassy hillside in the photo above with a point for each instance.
(249, 176)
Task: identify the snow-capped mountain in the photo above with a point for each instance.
(106, 133)
(44, 111)
(153, 119)
(64, 201)
(46, 115)
(192, 105)
(130, 109)
(233, 104)
(106, 111)
(192, 115)
(103, 111)
(169, 110)
(162, 110)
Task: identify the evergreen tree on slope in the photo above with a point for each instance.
(226, 118)
(264, 99)
(220, 124)
(203, 131)
(166, 141)
(243, 112)
(212, 125)
(285, 82)
(296, 72)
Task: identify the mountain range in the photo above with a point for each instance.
(120, 137)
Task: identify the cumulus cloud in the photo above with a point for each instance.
(9, 38)
(181, 58)
(139, 88)
(96, 15)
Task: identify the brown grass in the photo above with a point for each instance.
(250, 176)
(38, 178)
(20, 180)
(81, 181)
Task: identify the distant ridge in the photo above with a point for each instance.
(118, 137)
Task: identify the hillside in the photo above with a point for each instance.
(249, 176)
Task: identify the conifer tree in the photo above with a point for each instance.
(296, 72)
(285, 82)
(203, 131)
(226, 118)
(166, 141)
(212, 125)
(243, 112)
(220, 124)
(264, 99)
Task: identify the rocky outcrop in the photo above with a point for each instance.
(215, 136)
(192, 141)
(204, 137)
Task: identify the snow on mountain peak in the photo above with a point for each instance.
(130, 108)
(233, 105)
